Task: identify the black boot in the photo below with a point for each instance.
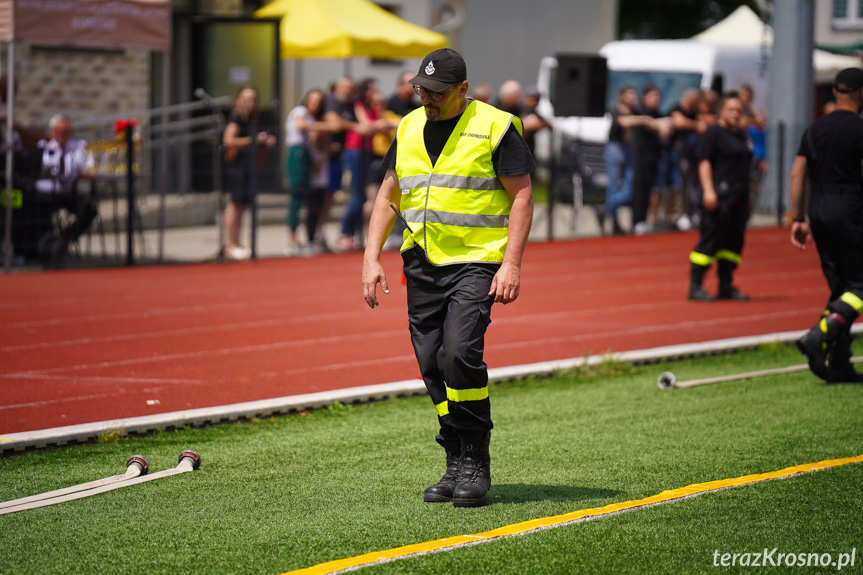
(839, 366)
(441, 491)
(727, 290)
(696, 289)
(819, 341)
(474, 474)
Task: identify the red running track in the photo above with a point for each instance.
(80, 346)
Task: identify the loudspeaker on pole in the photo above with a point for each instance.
(580, 85)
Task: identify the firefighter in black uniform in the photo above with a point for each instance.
(724, 157)
(831, 155)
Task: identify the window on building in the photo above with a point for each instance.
(840, 8)
(847, 15)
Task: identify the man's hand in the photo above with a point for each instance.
(506, 283)
(801, 234)
(373, 274)
(711, 201)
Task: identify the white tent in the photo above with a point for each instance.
(744, 28)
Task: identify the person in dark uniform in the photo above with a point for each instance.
(647, 142)
(458, 174)
(831, 156)
(724, 157)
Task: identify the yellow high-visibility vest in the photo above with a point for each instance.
(457, 210)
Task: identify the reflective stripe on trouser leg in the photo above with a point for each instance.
(461, 355)
(700, 259)
(849, 306)
(448, 307)
(853, 301)
(729, 256)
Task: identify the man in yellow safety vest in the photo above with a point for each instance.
(458, 175)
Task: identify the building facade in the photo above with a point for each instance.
(501, 39)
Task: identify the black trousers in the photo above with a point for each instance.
(836, 218)
(723, 232)
(449, 310)
(643, 180)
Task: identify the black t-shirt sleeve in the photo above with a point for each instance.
(803, 149)
(389, 161)
(706, 144)
(512, 156)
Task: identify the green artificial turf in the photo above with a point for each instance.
(292, 492)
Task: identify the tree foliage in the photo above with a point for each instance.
(670, 19)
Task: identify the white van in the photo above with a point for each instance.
(672, 66)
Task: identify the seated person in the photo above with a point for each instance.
(64, 160)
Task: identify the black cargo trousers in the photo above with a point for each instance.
(836, 219)
(449, 310)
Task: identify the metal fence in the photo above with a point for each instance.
(167, 208)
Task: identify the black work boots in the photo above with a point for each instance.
(819, 343)
(468, 472)
(839, 366)
(441, 491)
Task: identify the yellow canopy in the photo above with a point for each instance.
(345, 28)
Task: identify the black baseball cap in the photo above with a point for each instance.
(849, 80)
(440, 70)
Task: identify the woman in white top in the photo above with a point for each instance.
(307, 167)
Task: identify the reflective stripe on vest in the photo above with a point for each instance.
(459, 204)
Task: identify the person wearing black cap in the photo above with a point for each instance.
(458, 177)
(831, 157)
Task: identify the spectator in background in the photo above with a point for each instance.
(307, 168)
(509, 98)
(708, 107)
(668, 187)
(64, 160)
(531, 119)
(757, 131)
(357, 159)
(241, 138)
(403, 99)
(647, 150)
(687, 126)
(481, 92)
(618, 156)
(745, 93)
(339, 114)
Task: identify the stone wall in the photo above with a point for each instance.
(86, 84)
(80, 84)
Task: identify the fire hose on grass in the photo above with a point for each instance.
(668, 380)
(136, 472)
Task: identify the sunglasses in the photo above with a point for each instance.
(433, 96)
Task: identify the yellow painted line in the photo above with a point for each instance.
(558, 520)
(6, 439)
